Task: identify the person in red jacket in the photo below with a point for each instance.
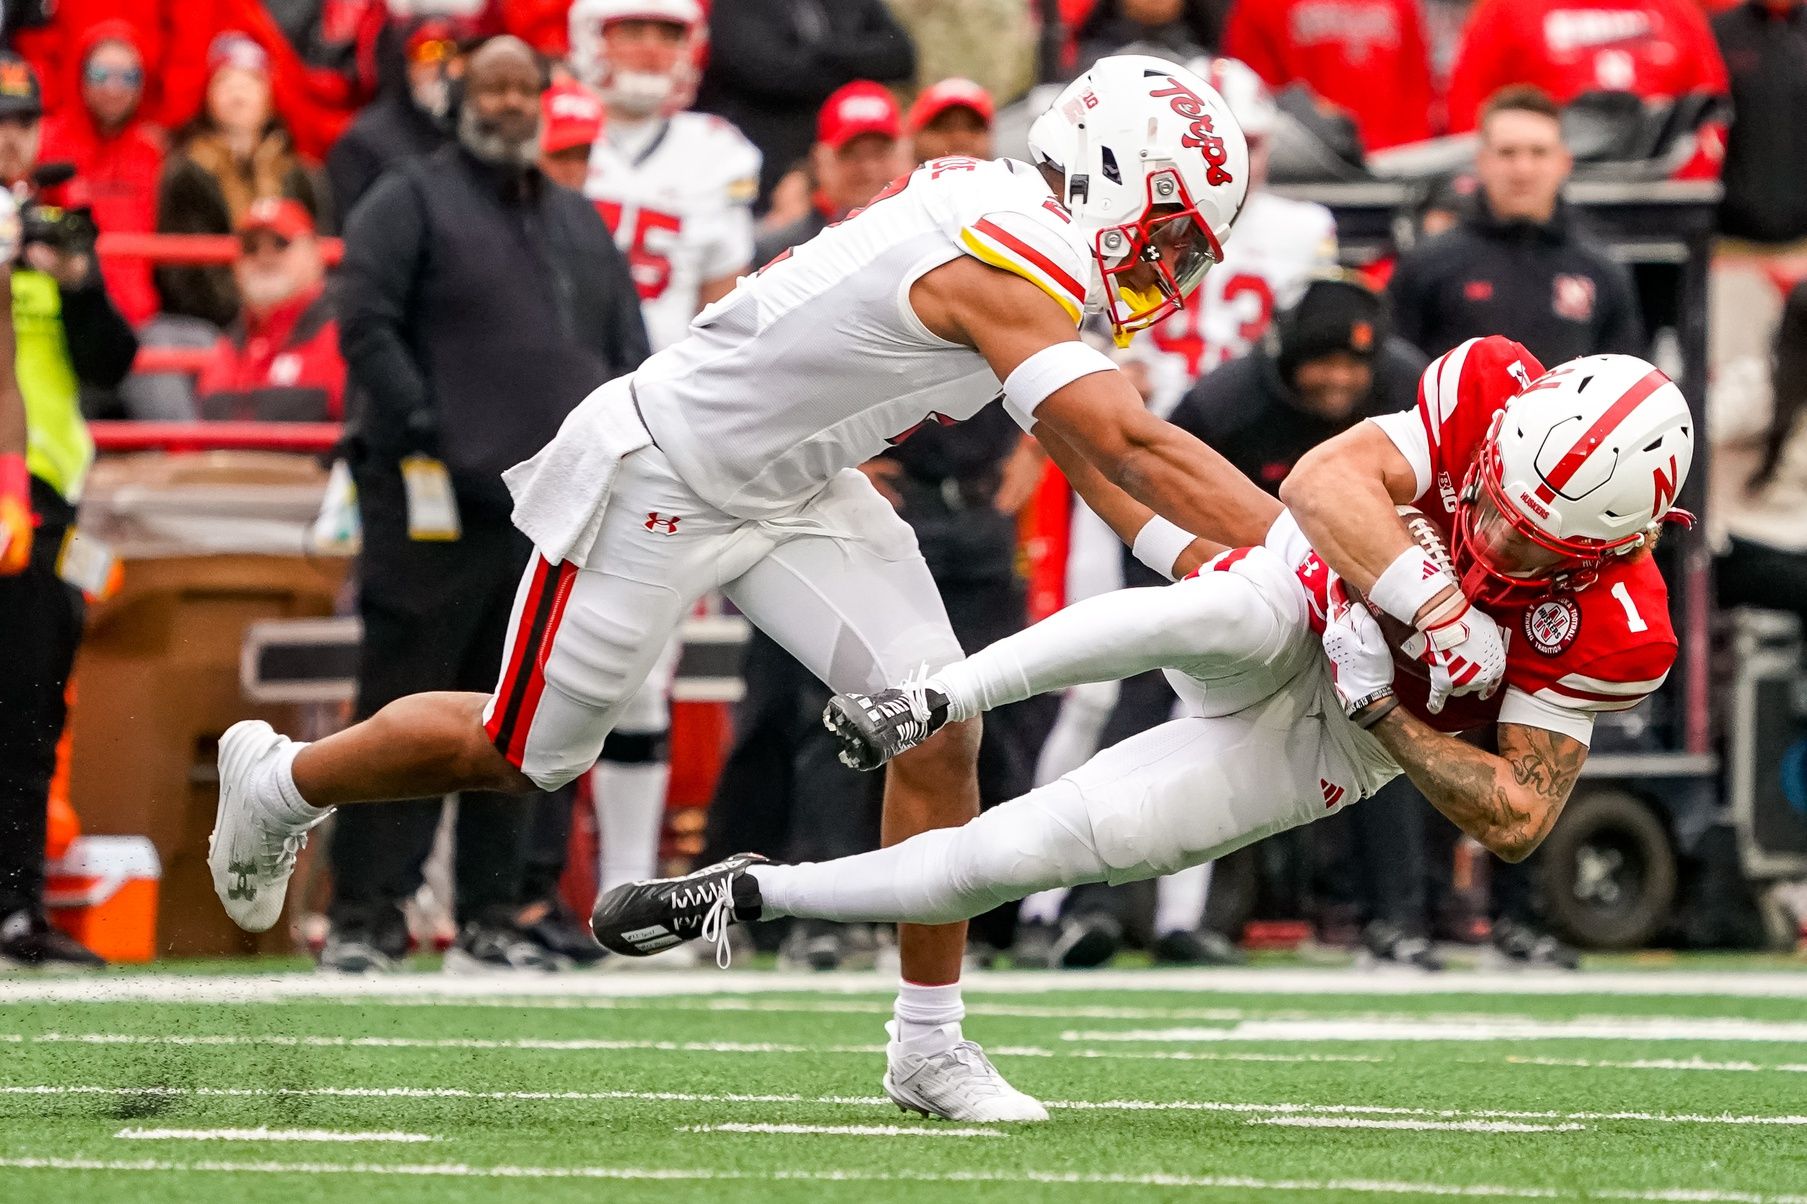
(1655, 48)
(117, 155)
(1367, 57)
(279, 362)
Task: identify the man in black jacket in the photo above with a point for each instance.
(1765, 44)
(1517, 264)
(773, 62)
(407, 118)
(480, 303)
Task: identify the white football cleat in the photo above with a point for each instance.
(958, 1083)
(251, 852)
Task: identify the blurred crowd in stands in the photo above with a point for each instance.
(530, 201)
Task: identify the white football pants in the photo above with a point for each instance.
(1265, 748)
(839, 582)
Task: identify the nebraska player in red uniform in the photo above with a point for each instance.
(1544, 610)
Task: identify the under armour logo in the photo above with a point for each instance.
(666, 523)
(241, 887)
(1333, 794)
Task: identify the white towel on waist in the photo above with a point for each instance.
(560, 494)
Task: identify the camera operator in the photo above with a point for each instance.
(63, 333)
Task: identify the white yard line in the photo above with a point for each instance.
(1236, 1183)
(1113, 1105)
(258, 988)
(593, 1044)
(1432, 1126)
(1500, 1028)
(845, 1130)
(1659, 1064)
(266, 1134)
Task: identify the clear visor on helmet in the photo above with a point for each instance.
(1159, 261)
(1504, 557)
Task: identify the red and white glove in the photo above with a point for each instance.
(1463, 648)
(1361, 664)
(15, 515)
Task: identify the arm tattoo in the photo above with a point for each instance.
(1507, 801)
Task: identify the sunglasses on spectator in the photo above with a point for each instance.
(98, 76)
(257, 241)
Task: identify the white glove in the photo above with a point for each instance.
(1465, 652)
(1361, 664)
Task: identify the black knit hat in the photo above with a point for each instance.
(1334, 314)
(20, 95)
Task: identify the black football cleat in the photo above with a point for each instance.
(641, 918)
(873, 728)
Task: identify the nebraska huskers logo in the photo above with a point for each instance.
(1203, 134)
(1552, 626)
(1574, 298)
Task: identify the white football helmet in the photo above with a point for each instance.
(1156, 171)
(1583, 464)
(637, 92)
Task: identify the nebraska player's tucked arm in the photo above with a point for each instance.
(1345, 496)
(1101, 417)
(1508, 801)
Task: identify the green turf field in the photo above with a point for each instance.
(1284, 1085)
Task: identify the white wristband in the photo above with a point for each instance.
(1048, 371)
(1159, 543)
(1409, 582)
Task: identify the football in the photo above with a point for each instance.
(1431, 540)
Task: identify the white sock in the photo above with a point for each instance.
(276, 790)
(1180, 899)
(1043, 907)
(927, 1018)
(1106, 638)
(630, 812)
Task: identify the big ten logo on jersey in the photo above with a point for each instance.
(1218, 328)
(949, 163)
(650, 239)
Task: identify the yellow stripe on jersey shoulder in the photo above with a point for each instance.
(986, 253)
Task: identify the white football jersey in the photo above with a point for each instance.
(679, 201)
(1273, 251)
(817, 362)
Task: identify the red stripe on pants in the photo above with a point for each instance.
(516, 751)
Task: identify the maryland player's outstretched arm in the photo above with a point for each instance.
(1508, 801)
(1100, 416)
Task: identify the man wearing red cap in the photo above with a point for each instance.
(858, 150)
(279, 362)
(570, 122)
(952, 117)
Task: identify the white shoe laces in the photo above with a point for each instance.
(717, 919)
(915, 689)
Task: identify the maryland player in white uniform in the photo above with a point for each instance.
(676, 188)
(727, 461)
(1278, 246)
(1548, 488)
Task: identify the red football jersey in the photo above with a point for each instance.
(1601, 648)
